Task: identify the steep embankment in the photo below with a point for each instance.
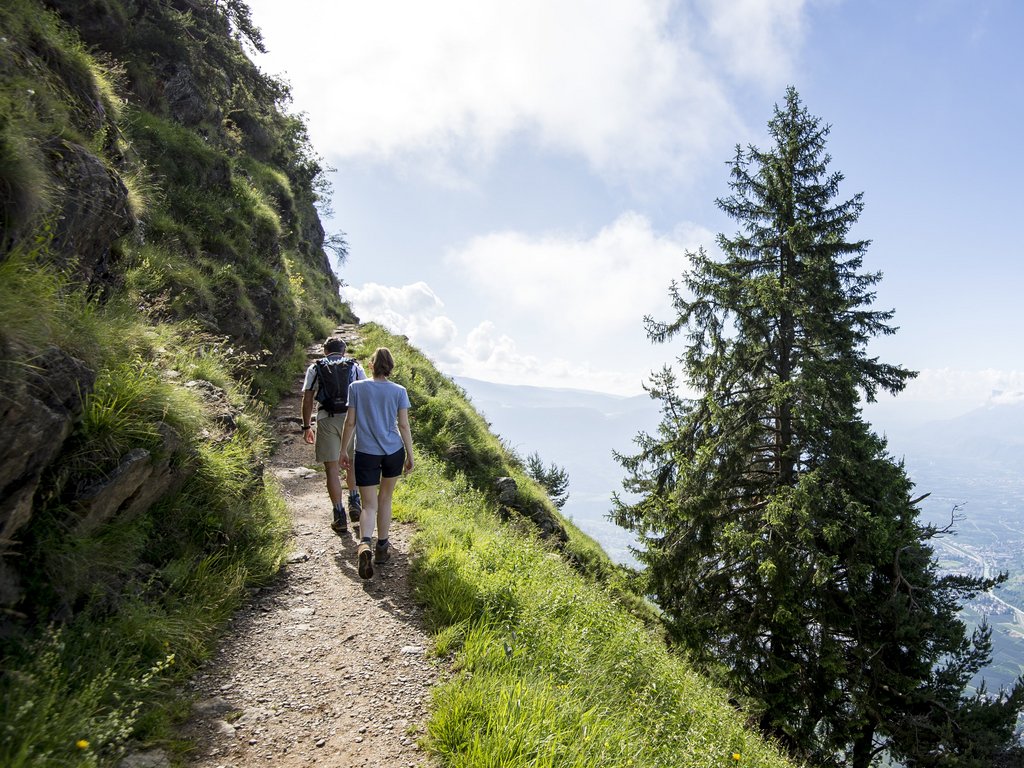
(162, 269)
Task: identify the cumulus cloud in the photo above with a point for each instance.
(1008, 398)
(588, 285)
(485, 352)
(575, 301)
(752, 39)
(493, 356)
(630, 85)
(413, 310)
(595, 351)
(945, 384)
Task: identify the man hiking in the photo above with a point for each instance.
(327, 381)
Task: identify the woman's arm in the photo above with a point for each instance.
(347, 434)
(406, 432)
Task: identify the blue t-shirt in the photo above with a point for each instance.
(376, 404)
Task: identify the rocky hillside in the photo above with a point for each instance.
(161, 262)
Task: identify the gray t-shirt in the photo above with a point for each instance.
(310, 381)
(376, 404)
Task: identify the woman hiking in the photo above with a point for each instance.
(378, 414)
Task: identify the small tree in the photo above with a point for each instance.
(780, 538)
(554, 479)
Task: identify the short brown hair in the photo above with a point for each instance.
(382, 362)
(335, 346)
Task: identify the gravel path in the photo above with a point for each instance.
(323, 667)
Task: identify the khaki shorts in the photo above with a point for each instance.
(328, 437)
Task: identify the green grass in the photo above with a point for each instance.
(549, 669)
(133, 593)
(30, 298)
(44, 727)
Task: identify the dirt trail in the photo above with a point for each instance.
(323, 667)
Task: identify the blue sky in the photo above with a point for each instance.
(519, 181)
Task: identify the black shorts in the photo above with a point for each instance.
(370, 468)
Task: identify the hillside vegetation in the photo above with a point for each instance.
(162, 269)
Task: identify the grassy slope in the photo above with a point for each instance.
(554, 665)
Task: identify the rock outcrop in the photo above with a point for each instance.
(512, 502)
(37, 415)
(92, 212)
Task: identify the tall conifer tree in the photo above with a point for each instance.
(780, 537)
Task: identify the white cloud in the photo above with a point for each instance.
(754, 40)
(576, 302)
(413, 310)
(629, 85)
(603, 349)
(1008, 398)
(979, 386)
(586, 287)
(493, 356)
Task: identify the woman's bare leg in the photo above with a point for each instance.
(368, 516)
(387, 490)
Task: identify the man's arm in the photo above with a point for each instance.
(307, 415)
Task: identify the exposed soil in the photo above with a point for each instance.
(323, 667)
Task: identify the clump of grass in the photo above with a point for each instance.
(143, 190)
(168, 281)
(30, 296)
(123, 411)
(549, 669)
(43, 726)
(24, 184)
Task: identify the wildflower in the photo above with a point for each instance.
(736, 756)
(82, 744)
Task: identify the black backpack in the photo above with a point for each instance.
(333, 377)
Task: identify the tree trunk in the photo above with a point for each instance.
(861, 757)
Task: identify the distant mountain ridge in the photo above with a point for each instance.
(991, 436)
(579, 430)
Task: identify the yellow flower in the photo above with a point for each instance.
(82, 744)
(736, 756)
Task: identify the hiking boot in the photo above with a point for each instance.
(365, 561)
(381, 554)
(339, 526)
(355, 507)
